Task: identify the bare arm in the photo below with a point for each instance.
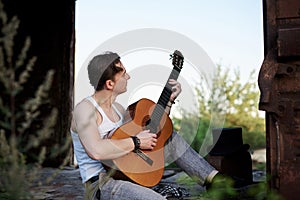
(86, 126)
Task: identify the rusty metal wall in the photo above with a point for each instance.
(279, 83)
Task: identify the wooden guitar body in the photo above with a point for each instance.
(132, 165)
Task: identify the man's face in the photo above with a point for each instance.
(121, 80)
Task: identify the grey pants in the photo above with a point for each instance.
(177, 149)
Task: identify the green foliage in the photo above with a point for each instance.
(23, 129)
(259, 191)
(229, 103)
(12, 171)
(223, 189)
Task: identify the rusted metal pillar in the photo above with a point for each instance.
(279, 83)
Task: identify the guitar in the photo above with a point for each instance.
(146, 167)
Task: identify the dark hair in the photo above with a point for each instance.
(102, 68)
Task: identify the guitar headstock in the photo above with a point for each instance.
(177, 59)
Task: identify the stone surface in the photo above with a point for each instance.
(65, 184)
(59, 184)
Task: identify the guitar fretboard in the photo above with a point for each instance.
(164, 97)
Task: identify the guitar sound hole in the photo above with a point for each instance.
(146, 121)
(146, 124)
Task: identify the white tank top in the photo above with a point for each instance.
(89, 167)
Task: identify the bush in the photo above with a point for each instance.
(23, 127)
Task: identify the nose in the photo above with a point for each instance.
(127, 76)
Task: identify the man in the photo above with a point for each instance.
(94, 120)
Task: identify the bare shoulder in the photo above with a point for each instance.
(84, 111)
(80, 113)
(84, 106)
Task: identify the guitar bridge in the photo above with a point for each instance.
(144, 156)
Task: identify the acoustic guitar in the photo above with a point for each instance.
(146, 167)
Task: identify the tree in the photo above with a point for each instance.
(229, 103)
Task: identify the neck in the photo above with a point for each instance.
(104, 98)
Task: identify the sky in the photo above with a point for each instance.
(211, 32)
(229, 32)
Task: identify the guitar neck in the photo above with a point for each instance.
(167, 91)
(177, 61)
(162, 102)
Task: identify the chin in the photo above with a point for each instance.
(125, 90)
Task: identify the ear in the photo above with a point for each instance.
(109, 84)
